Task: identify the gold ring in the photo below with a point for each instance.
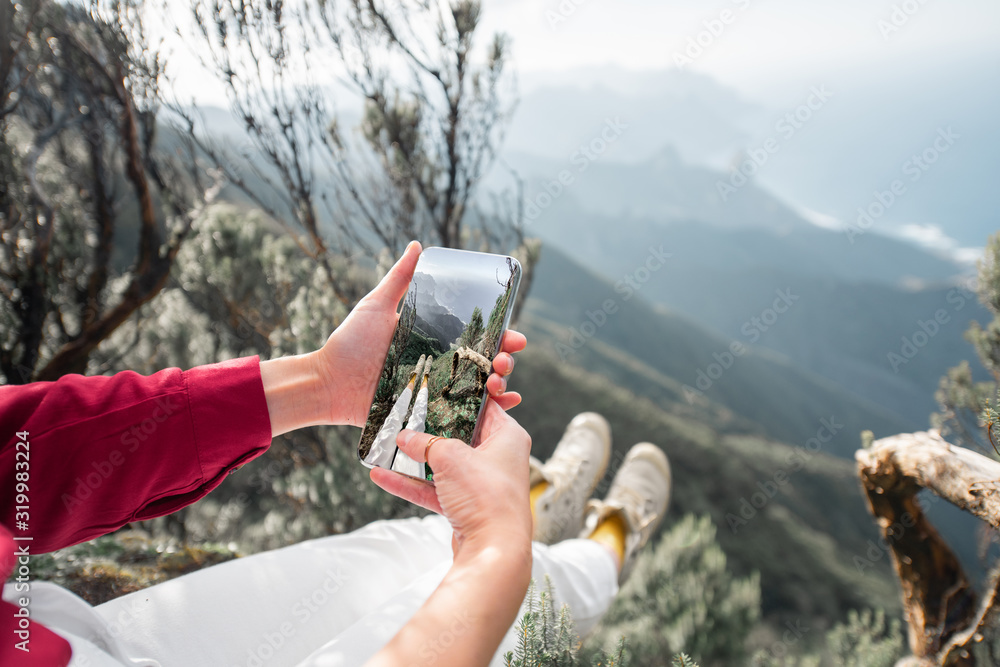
(430, 442)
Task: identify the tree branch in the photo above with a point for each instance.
(942, 609)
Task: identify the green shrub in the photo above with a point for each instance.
(681, 597)
(866, 640)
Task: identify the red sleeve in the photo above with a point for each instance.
(25, 642)
(104, 451)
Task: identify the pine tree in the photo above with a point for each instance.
(473, 331)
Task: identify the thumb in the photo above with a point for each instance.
(415, 445)
(393, 286)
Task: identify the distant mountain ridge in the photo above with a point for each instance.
(663, 187)
(433, 318)
(853, 146)
(576, 316)
(855, 303)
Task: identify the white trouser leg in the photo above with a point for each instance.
(418, 420)
(583, 574)
(384, 446)
(277, 607)
(326, 602)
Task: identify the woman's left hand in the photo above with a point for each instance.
(350, 362)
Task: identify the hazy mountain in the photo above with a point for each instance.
(703, 119)
(434, 319)
(663, 187)
(852, 305)
(653, 353)
(578, 317)
(615, 244)
(856, 143)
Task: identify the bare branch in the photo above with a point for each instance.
(942, 609)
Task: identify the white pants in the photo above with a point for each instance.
(326, 602)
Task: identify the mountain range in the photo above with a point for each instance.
(434, 319)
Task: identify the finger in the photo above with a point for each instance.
(513, 341)
(508, 400)
(393, 286)
(503, 364)
(415, 491)
(496, 385)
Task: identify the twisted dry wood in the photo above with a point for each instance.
(943, 612)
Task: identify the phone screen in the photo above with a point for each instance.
(450, 327)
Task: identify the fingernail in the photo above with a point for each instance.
(405, 436)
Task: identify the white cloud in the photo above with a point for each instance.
(934, 238)
(821, 219)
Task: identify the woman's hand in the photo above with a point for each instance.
(483, 492)
(335, 384)
(352, 358)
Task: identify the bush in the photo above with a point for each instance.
(681, 597)
(866, 640)
(549, 640)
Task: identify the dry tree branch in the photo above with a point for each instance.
(943, 611)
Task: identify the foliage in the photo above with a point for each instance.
(92, 215)
(114, 565)
(494, 325)
(682, 597)
(434, 112)
(473, 330)
(546, 638)
(963, 402)
(865, 640)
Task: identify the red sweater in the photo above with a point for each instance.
(101, 452)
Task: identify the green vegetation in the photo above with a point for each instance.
(473, 333)
(964, 402)
(682, 597)
(801, 542)
(112, 566)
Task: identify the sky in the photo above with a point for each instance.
(759, 47)
(465, 280)
(770, 51)
(767, 45)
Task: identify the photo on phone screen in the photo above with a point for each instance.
(450, 326)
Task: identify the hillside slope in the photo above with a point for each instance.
(803, 541)
(656, 353)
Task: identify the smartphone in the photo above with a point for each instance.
(451, 324)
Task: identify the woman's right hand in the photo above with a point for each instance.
(482, 491)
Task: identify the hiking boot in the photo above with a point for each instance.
(572, 472)
(639, 494)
